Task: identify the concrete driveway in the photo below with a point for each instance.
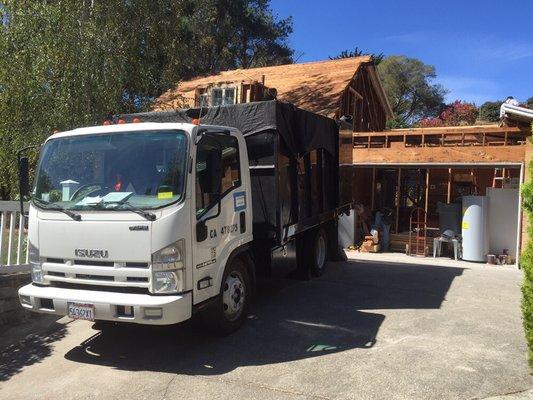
(365, 330)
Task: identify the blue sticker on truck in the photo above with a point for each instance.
(239, 201)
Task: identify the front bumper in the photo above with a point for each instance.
(174, 308)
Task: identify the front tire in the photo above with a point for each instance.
(231, 306)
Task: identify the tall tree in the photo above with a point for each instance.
(356, 52)
(409, 85)
(228, 34)
(67, 63)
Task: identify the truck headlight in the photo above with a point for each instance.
(168, 269)
(35, 263)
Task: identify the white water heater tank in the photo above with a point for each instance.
(475, 228)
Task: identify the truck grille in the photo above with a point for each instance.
(95, 263)
(67, 285)
(87, 273)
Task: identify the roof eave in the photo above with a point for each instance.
(379, 90)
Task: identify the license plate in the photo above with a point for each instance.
(81, 311)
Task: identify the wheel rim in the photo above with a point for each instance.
(233, 296)
(320, 251)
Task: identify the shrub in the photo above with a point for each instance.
(455, 114)
(430, 122)
(527, 265)
(490, 111)
(459, 113)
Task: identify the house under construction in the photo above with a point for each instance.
(401, 169)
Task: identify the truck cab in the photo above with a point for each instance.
(141, 223)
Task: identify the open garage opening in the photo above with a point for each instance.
(427, 209)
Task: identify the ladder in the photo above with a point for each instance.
(417, 233)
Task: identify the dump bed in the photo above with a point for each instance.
(294, 162)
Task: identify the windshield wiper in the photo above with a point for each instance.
(147, 215)
(51, 206)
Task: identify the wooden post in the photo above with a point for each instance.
(373, 187)
(449, 198)
(427, 193)
(398, 193)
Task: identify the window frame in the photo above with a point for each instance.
(222, 90)
(226, 192)
(203, 99)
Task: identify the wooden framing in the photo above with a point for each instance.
(426, 196)
(373, 187)
(362, 101)
(449, 190)
(483, 144)
(447, 182)
(398, 200)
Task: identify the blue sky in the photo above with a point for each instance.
(482, 50)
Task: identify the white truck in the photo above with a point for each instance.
(149, 222)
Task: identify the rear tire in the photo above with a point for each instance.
(230, 308)
(319, 256)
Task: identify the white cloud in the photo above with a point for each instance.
(471, 89)
(501, 51)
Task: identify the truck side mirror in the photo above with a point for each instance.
(24, 177)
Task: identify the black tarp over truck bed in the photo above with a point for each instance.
(294, 163)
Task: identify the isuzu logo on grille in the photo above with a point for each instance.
(91, 253)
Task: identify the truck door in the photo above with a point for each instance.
(219, 212)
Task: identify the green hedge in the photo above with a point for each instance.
(527, 265)
(527, 292)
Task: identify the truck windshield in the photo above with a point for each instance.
(144, 170)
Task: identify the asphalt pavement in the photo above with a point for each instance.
(364, 330)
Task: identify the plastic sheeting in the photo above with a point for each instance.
(301, 130)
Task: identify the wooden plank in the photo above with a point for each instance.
(19, 241)
(427, 193)
(431, 154)
(10, 236)
(460, 129)
(373, 186)
(449, 194)
(355, 93)
(495, 130)
(398, 193)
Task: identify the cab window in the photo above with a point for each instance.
(231, 172)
